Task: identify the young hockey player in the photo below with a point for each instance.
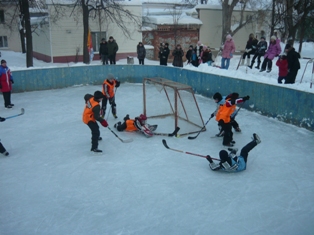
(108, 89)
(91, 114)
(2, 148)
(232, 163)
(223, 115)
(137, 124)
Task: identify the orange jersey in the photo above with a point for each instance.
(224, 112)
(108, 88)
(130, 125)
(88, 114)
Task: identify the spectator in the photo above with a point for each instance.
(274, 50)
(227, 52)
(112, 50)
(206, 56)
(282, 64)
(6, 81)
(293, 64)
(250, 48)
(198, 50)
(103, 51)
(163, 53)
(141, 53)
(189, 54)
(178, 54)
(260, 51)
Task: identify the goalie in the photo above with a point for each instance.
(137, 124)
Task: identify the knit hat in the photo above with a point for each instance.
(217, 96)
(167, 44)
(228, 36)
(223, 154)
(263, 37)
(98, 95)
(233, 96)
(110, 76)
(288, 46)
(273, 37)
(103, 39)
(110, 37)
(191, 46)
(3, 61)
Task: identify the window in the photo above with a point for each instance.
(3, 41)
(1, 16)
(96, 38)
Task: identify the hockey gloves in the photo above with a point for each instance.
(104, 123)
(212, 115)
(245, 98)
(2, 119)
(117, 83)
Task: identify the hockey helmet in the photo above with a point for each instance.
(142, 118)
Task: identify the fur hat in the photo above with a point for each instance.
(217, 96)
(228, 36)
(273, 37)
(98, 95)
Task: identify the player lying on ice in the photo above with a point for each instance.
(137, 124)
(230, 162)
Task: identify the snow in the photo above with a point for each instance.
(52, 184)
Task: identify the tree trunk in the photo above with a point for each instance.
(22, 25)
(226, 20)
(85, 34)
(29, 39)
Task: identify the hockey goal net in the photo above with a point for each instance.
(170, 105)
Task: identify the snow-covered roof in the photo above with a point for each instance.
(183, 19)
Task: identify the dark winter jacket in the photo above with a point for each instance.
(293, 60)
(112, 48)
(206, 56)
(261, 47)
(141, 52)
(198, 50)
(177, 60)
(6, 79)
(251, 45)
(188, 55)
(163, 55)
(103, 48)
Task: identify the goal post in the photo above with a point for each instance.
(170, 105)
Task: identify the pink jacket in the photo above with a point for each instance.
(273, 50)
(229, 47)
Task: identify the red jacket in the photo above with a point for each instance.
(5, 79)
(283, 67)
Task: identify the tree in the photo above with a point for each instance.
(113, 12)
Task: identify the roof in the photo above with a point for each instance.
(183, 19)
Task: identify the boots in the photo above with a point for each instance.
(258, 63)
(251, 66)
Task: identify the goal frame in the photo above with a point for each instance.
(176, 87)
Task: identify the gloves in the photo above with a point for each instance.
(212, 115)
(2, 119)
(245, 98)
(209, 159)
(127, 117)
(117, 83)
(104, 123)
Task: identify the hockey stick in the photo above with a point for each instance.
(123, 141)
(240, 61)
(181, 151)
(312, 76)
(13, 116)
(194, 137)
(170, 135)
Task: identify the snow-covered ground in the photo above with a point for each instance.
(52, 184)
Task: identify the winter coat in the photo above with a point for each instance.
(163, 55)
(229, 48)
(188, 55)
(251, 45)
(6, 79)
(206, 56)
(112, 48)
(177, 60)
(261, 47)
(283, 67)
(274, 50)
(141, 52)
(293, 60)
(198, 50)
(103, 48)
